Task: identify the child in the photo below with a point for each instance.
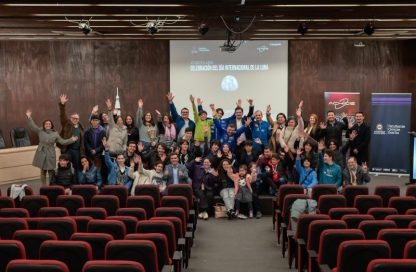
(275, 173)
(243, 192)
(307, 175)
(64, 173)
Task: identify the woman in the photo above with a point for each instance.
(143, 176)
(338, 157)
(132, 131)
(118, 171)
(147, 129)
(292, 132)
(277, 128)
(226, 179)
(89, 174)
(307, 175)
(184, 154)
(167, 130)
(313, 129)
(117, 132)
(310, 154)
(45, 156)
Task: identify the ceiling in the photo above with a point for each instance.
(279, 19)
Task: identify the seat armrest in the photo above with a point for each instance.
(177, 256)
(181, 242)
(188, 234)
(189, 226)
(312, 253)
(167, 268)
(192, 212)
(324, 268)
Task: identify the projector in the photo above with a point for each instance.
(228, 48)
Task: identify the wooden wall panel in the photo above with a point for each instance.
(317, 66)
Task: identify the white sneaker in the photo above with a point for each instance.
(201, 215)
(242, 216)
(205, 216)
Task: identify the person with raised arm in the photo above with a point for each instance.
(277, 127)
(291, 133)
(329, 171)
(201, 121)
(167, 129)
(182, 121)
(148, 130)
(355, 174)
(259, 130)
(45, 155)
(143, 176)
(307, 175)
(332, 129)
(117, 131)
(360, 144)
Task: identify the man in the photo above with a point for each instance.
(259, 130)
(229, 135)
(182, 121)
(246, 154)
(93, 141)
(359, 146)
(129, 153)
(71, 128)
(355, 174)
(176, 173)
(329, 171)
(333, 128)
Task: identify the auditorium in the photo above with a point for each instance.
(202, 136)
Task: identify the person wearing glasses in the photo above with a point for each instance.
(71, 127)
(182, 121)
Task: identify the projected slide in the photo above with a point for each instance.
(257, 70)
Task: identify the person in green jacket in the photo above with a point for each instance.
(329, 171)
(201, 121)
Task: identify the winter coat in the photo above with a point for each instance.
(92, 176)
(66, 131)
(45, 156)
(117, 139)
(63, 176)
(113, 169)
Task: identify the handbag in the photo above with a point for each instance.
(220, 210)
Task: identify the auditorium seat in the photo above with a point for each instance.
(10, 250)
(37, 266)
(165, 227)
(327, 202)
(86, 191)
(53, 212)
(63, 227)
(32, 240)
(109, 202)
(397, 239)
(8, 226)
(411, 211)
(356, 255)
(386, 192)
(381, 213)
(392, 265)
(411, 190)
(73, 253)
(71, 202)
(2, 143)
(129, 221)
(351, 191)
(82, 222)
(28, 192)
(52, 192)
(365, 202)
(186, 190)
(402, 220)
(338, 213)
(116, 190)
(410, 250)
(143, 201)
(33, 203)
(97, 241)
(402, 203)
(173, 211)
(20, 137)
(323, 189)
(371, 228)
(149, 190)
(113, 266)
(6, 202)
(138, 213)
(353, 220)
(95, 213)
(14, 212)
(115, 228)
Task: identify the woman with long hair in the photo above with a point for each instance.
(45, 155)
(132, 131)
(117, 140)
(167, 130)
(147, 128)
(313, 129)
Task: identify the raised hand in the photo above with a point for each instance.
(350, 124)
(343, 115)
(250, 102)
(248, 121)
(199, 101)
(169, 96)
(104, 141)
(63, 98)
(74, 138)
(94, 109)
(192, 98)
(298, 152)
(140, 103)
(28, 113)
(322, 125)
(212, 107)
(239, 141)
(158, 113)
(268, 109)
(137, 159)
(198, 159)
(299, 112)
(286, 149)
(239, 102)
(109, 104)
(257, 141)
(140, 147)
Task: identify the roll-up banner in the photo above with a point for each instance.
(340, 102)
(390, 124)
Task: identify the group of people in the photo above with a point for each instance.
(237, 157)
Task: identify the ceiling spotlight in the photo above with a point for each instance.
(303, 28)
(369, 28)
(85, 27)
(152, 27)
(203, 28)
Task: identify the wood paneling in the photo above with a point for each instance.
(34, 73)
(317, 66)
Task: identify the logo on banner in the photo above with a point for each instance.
(341, 103)
(379, 130)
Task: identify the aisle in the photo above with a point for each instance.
(237, 245)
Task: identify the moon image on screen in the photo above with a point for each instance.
(229, 84)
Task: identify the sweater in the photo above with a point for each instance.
(329, 173)
(311, 178)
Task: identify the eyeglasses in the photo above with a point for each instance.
(185, 112)
(75, 118)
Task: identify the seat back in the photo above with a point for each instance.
(129, 221)
(411, 190)
(109, 202)
(158, 226)
(287, 189)
(10, 250)
(138, 213)
(63, 227)
(391, 265)
(53, 212)
(141, 251)
(182, 190)
(82, 222)
(2, 142)
(6, 202)
(381, 213)
(33, 203)
(115, 228)
(95, 213)
(351, 191)
(86, 191)
(116, 190)
(386, 192)
(177, 223)
(331, 239)
(327, 202)
(71, 202)
(52, 192)
(287, 205)
(397, 239)
(410, 250)
(14, 212)
(142, 201)
(353, 220)
(411, 211)
(97, 241)
(176, 201)
(20, 137)
(402, 203)
(402, 220)
(160, 241)
(73, 253)
(304, 222)
(37, 266)
(149, 190)
(338, 213)
(8, 226)
(32, 239)
(172, 211)
(317, 227)
(365, 202)
(371, 228)
(356, 255)
(323, 189)
(113, 266)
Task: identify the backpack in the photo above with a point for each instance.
(299, 207)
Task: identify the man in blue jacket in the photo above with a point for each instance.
(259, 129)
(182, 121)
